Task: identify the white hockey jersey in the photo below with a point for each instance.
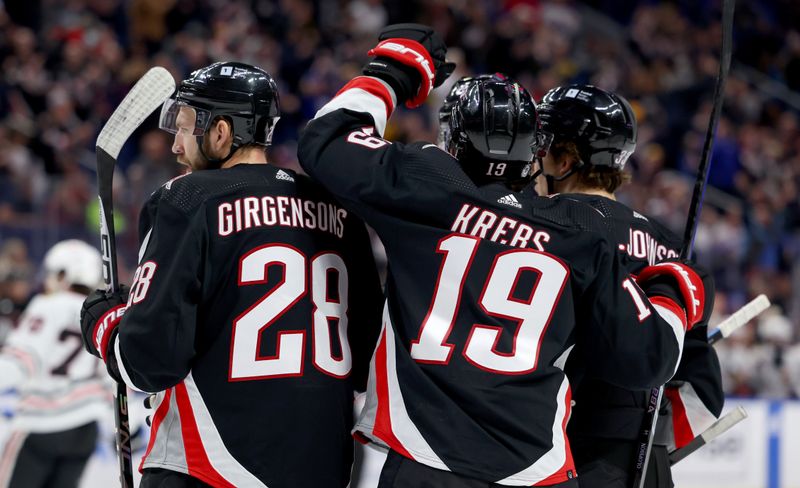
(60, 385)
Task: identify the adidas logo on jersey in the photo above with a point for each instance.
(639, 216)
(511, 200)
(283, 175)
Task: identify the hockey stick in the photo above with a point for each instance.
(722, 425)
(148, 94)
(647, 432)
(748, 312)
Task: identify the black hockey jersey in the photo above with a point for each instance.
(254, 310)
(487, 291)
(695, 395)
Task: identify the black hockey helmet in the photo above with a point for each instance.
(458, 89)
(243, 94)
(494, 133)
(601, 124)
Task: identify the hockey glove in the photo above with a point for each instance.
(100, 315)
(683, 282)
(411, 59)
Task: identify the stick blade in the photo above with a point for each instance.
(722, 425)
(147, 94)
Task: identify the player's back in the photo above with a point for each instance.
(487, 290)
(63, 387)
(270, 338)
(640, 239)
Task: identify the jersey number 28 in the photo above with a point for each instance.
(298, 276)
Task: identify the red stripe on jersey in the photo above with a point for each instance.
(670, 305)
(28, 361)
(11, 455)
(75, 395)
(569, 465)
(383, 417)
(196, 458)
(158, 417)
(373, 87)
(680, 421)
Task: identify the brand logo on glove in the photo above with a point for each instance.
(689, 285)
(419, 58)
(107, 323)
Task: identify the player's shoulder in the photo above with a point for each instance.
(619, 214)
(428, 162)
(190, 191)
(56, 304)
(566, 212)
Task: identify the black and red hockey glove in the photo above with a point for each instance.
(411, 59)
(100, 315)
(684, 283)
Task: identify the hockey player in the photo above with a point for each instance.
(62, 393)
(487, 289)
(594, 133)
(254, 308)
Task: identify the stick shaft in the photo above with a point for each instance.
(105, 176)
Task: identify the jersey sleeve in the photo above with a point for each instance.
(18, 361)
(21, 354)
(343, 149)
(155, 344)
(632, 341)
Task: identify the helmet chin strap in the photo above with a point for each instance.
(551, 179)
(215, 163)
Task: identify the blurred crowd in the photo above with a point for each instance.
(67, 63)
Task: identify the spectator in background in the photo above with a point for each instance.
(16, 276)
(770, 376)
(66, 68)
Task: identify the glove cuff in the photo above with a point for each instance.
(103, 328)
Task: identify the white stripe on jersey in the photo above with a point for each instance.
(403, 427)
(121, 366)
(698, 416)
(168, 451)
(218, 455)
(676, 323)
(360, 100)
(553, 460)
(145, 242)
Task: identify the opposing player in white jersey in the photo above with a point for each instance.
(62, 393)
